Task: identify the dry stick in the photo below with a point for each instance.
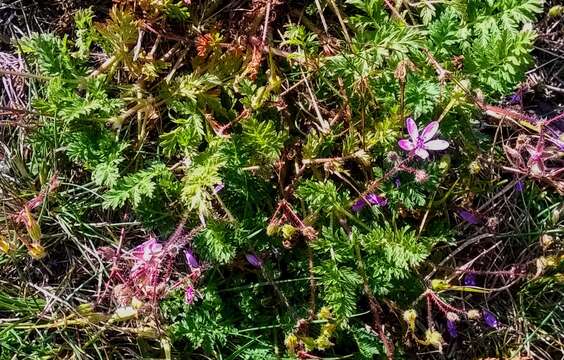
(343, 26)
(464, 267)
(105, 66)
(467, 243)
(26, 75)
(320, 10)
(114, 268)
(266, 20)
(394, 11)
(312, 284)
(325, 127)
(137, 48)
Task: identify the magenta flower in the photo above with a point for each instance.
(189, 294)
(146, 268)
(420, 143)
(371, 199)
(254, 260)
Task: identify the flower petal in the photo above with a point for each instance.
(358, 205)
(376, 200)
(254, 260)
(490, 319)
(412, 129)
(451, 327)
(422, 153)
(436, 145)
(430, 130)
(470, 279)
(191, 259)
(406, 145)
(469, 217)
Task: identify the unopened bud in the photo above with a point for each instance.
(36, 251)
(421, 176)
(291, 342)
(124, 314)
(473, 314)
(324, 313)
(272, 229)
(474, 167)
(409, 316)
(4, 245)
(434, 338)
(288, 231)
(452, 317)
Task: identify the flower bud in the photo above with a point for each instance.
(452, 317)
(33, 229)
(288, 231)
(434, 338)
(5, 246)
(272, 229)
(254, 260)
(409, 316)
(490, 319)
(474, 167)
(291, 342)
(323, 343)
(421, 176)
(36, 251)
(473, 314)
(124, 314)
(324, 313)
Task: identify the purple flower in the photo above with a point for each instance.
(470, 279)
(516, 98)
(191, 259)
(451, 327)
(490, 319)
(419, 144)
(397, 182)
(371, 199)
(469, 217)
(254, 260)
(519, 186)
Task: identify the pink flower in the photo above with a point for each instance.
(420, 143)
(148, 250)
(189, 294)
